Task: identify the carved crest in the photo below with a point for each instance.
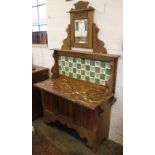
(82, 5)
(81, 15)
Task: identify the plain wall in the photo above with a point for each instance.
(108, 17)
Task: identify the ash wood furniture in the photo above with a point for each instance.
(38, 74)
(80, 93)
(81, 90)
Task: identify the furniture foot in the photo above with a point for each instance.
(93, 143)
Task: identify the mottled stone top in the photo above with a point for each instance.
(80, 92)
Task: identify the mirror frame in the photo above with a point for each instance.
(80, 13)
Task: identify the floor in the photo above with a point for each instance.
(56, 139)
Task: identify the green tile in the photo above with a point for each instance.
(87, 78)
(82, 72)
(63, 72)
(78, 77)
(63, 63)
(83, 61)
(66, 58)
(74, 59)
(87, 67)
(70, 64)
(79, 66)
(66, 69)
(103, 64)
(92, 74)
(97, 69)
(108, 71)
(74, 70)
(59, 67)
(70, 74)
(97, 81)
(92, 62)
(106, 83)
(63, 68)
(102, 76)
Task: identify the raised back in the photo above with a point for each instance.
(95, 68)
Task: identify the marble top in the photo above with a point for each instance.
(80, 92)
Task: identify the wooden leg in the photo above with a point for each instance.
(93, 143)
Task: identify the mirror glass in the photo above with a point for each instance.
(81, 31)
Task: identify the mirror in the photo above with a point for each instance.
(81, 31)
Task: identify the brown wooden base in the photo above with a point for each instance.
(90, 124)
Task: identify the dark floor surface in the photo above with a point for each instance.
(55, 139)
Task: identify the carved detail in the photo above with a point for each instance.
(67, 42)
(82, 5)
(54, 69)
(81, 15)
(83, 133)
(98, 45)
